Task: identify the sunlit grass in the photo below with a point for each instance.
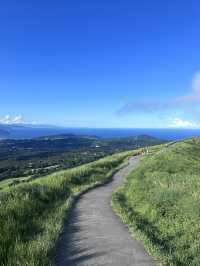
(32, 214)
(161, 203)
(5, 185)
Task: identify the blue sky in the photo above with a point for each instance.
(101, 63)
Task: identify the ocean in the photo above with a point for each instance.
(165, 134)
(27, 131)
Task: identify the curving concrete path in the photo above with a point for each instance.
(95, 236)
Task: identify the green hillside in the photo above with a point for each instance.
(161, 203)
(32, 214)
(41, 156)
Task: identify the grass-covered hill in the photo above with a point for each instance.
(32, 214)
(160, 202)
(39, 156)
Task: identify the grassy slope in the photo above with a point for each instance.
(160, 203)
(32, 214)
(6, 184)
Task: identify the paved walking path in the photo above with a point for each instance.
(95, 236)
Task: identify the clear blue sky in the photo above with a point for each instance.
(101, 63)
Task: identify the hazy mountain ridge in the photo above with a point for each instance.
(28, 131)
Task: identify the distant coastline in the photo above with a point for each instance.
(26, 131)
(163, 133)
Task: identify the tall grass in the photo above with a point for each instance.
(32, 214)
(161, 204)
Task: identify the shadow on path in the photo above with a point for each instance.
(95, 236)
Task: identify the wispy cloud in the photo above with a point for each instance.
(12, 120)
(175, 103)
(181, 123)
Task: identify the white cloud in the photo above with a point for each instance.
(194, 96)
(196, 84)
(18, 119)
(182, 102)
(12, 120)
(181, 123)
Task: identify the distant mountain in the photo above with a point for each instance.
(26, 131)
